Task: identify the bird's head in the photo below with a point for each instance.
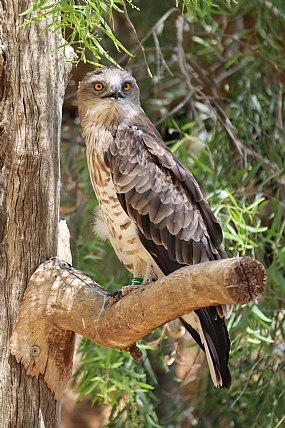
(107, 94)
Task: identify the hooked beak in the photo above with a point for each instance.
(116, 90)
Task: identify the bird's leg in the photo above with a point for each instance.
(143, 273)
(136, 282)
(138, 277)
(150, 275)
(138, 271)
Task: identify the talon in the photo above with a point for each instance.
(114, 298)
(128, 289)
(118, 295)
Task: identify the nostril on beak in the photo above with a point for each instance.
(116, 90)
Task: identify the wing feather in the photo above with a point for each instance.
(175, 222)
(156, 185)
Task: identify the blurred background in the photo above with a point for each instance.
(217, 96)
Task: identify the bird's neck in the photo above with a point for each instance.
(106, 115)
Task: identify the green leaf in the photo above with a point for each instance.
(252, 172)
(36, 7)
(143, 385)
(252, 229)
(255, 309)
(116, 365)
(254, 341)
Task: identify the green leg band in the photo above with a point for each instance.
(137, 281)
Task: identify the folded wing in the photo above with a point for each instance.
(175, 223)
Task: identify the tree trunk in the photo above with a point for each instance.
(32, 81)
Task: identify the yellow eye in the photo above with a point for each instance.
(127, 86)
(98, 86)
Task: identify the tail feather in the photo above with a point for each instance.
(210, 332)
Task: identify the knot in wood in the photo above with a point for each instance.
(35, 350)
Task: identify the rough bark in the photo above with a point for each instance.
(60, 299)
(32, 81)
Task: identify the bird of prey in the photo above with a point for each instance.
(151, 207)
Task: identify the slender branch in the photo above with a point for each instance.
(175, 109)
(153, 29)
(137, 39)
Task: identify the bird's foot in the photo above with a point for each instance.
(128, 289)
(118, 295)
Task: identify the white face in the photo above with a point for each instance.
(109, 83)
(107, 95)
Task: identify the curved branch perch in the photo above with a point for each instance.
(61, 300)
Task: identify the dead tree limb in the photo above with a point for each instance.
(60, 300)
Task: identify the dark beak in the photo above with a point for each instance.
(116, 88)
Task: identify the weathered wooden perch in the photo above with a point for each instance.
(61, 300)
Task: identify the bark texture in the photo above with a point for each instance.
(60, 299)
(32, 82)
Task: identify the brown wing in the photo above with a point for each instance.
(175, 223)
(163, 199)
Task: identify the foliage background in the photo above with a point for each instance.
(217, 97)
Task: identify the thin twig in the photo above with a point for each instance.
(175, 109)
(280, 107)
(160, 56)
(153, 29)
(181, 52)
(247, 382)
(137, 38)
(160, 22)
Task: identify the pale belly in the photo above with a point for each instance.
(113, 223)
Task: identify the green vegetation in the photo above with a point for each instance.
(217, 95)
(81, 22)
